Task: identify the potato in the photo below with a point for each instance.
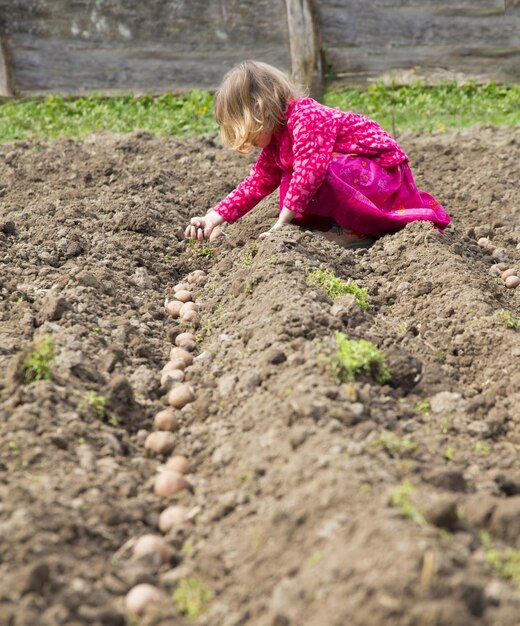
(195, 275)
(166, 420)
(160, 442)
(506, 274)
(172, 376)
(497, 269)
(177, 364)
(152, 544)
(168, 483)
(188, 306)
(173, 308)
(184, 338)
(512, 282)
(181, 396)
(173, 516)
(140, 597)
(181, 287)
(184, 295)
(182, 355)
(190, 317)
(178, 464)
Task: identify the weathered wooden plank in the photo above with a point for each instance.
(125, 68)
(366, 25)
(446, 7)
(493, 63)
(124, 45)
(304, 40)
(6, 85)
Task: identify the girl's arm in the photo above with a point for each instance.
(263, 179)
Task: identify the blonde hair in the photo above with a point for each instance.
(252, 98)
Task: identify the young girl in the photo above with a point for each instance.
(338, 172)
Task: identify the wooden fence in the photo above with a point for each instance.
(82, 46)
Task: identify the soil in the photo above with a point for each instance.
(317, 502)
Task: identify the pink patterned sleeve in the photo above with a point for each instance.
(263, 179)
(314, 132)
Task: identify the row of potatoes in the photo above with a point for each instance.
(171, 478)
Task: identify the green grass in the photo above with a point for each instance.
(414, 107)
(336, 287)
(359, 356)
(395, 447)
(39, 363)
(510, 320)
(506, 564)
(429, 108)
(402, 499)
(192, 596)
(55, 116)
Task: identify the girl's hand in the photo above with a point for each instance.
(273, 228)
(202, 228)
(286, 217)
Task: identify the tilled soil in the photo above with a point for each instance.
(316, 502)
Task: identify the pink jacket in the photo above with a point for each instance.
(304, 147)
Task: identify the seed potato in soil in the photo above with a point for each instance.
(312, 499)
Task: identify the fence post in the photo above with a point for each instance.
(6, 82)
(305, 45)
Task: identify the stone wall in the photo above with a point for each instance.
(78, 46)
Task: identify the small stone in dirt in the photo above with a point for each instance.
(34, 578)
(447, 402)
(509, 484)
(51, 309)
(120, 391)
(478, 509)
(8, 228)
(451, 480)
(275, 356)
(499, 255)
(424, 288)
(505, 521)
(441, 511)
(86, 457)
(226, 385)
(224, 454)
(86, 279)
(141, 278)
(160, 442)
(226, 503)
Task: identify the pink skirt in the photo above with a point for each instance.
(360, 195)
